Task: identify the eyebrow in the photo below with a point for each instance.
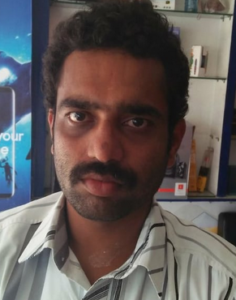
(140, 110)
(78, 103)
(134, 109)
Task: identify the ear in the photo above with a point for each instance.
(176, 140)
(51, 117)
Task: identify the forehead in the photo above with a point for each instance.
(110, 77)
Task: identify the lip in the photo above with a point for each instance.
(101, 186)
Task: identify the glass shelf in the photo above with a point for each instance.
(166, 11)
(205, 196)
(197, 14)
(70, 2)
(210, 78)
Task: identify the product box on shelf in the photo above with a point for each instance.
(164, 4)
(211, 6)
(175, 182)
(205, 6)
(192, 185)
(191, 5)
(198, 61)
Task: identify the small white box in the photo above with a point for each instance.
(198, 61)
(180, 189)
(164, 4)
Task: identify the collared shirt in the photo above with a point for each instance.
(172, 260)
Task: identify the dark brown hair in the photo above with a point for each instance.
(131, 26)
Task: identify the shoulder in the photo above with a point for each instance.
(207, 248)
(31, 213)
(19, 224)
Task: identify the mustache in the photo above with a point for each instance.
(126, 176)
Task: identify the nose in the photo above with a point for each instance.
(106, 143)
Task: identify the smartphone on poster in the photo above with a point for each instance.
(7, 142)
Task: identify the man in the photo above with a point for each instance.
(116, 84)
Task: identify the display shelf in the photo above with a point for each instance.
(210, 78)
(202, 197)
(205, 194)
(69, 2)
(227, 199)
(198, 14)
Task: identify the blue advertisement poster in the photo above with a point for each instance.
(15, 102)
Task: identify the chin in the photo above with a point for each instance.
(100, 208)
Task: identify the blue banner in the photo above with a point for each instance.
(15, 102)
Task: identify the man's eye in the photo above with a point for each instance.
(137, 123)
(77, 116)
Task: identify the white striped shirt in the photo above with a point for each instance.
(172, 260)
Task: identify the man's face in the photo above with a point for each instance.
(110, 133)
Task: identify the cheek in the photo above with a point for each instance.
(64, 149)
(150, 157)
(68, 152)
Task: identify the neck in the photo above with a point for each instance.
(102, 247)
